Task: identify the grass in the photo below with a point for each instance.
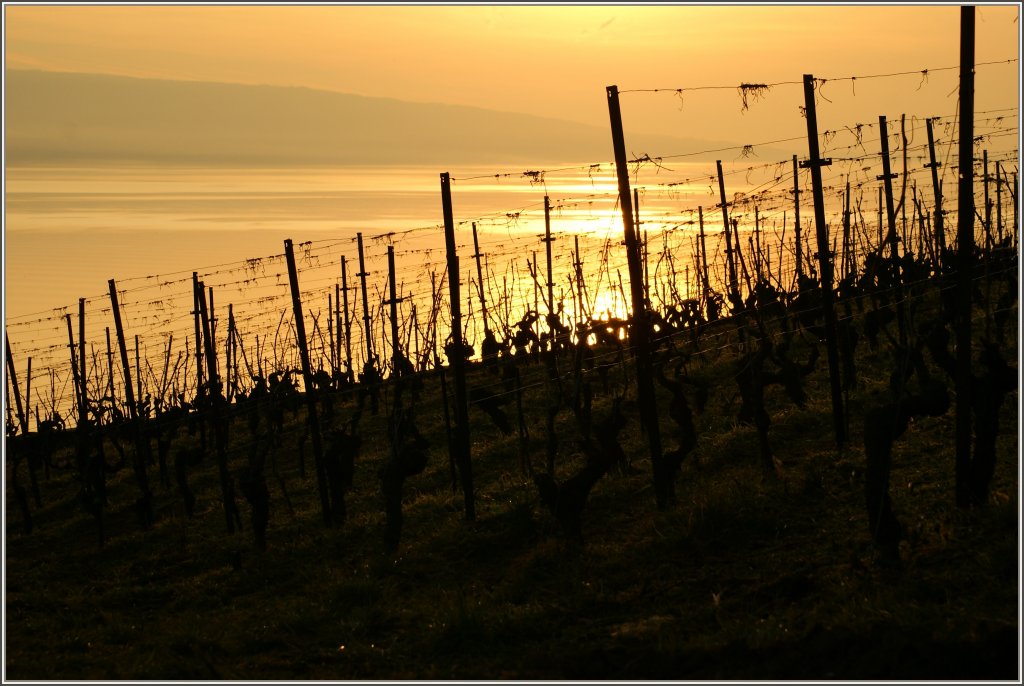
(746, 577)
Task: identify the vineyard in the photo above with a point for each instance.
(771, 434)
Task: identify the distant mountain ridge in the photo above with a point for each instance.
(69, 118)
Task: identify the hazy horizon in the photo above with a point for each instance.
(76, 118)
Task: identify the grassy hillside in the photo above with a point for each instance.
(748, 576)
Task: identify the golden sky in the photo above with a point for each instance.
(552, 61)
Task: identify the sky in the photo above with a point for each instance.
(547, 60)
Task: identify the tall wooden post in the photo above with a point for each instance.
(393, 300)
(196, 293)
(535, 270)
(461, 443)
(940, 231)
(307, 382)
(366, 303)
(416, 338)
(199, 295)
(758, 257)
(337, 327)
(796, 214)
(79, 395)
(167, 366)
(965, 260)
(705, 284)
(110, 365)
(999, 202)
(551, 281)
(138, 373)
(480, 281)
(348, 321)
(84, 388)
(642, 246)
(28, 397)
(14, 382)
(892, 237)
(578, 267)
(734, 289)
(664, 479)
(881, 239)
(988, 206)
(213, 337)
(815, 163)
(645, 263)
(232, 355)
(330, 333)
(141, 442)
(845, 271)
(1015, 202)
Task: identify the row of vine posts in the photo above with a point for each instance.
(213, 395)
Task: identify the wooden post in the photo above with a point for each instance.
(924, 222)
(79, 395)
(1016, 200)
(965, 260)
(22, 420)
(366, 303)
(84, 388)
(796, 214)
(393, 300)
(196, 293)
(815, 163)
(536, 291)
(705, 284)
(110, 364)
(845, 271)
(892, 237)
(758, 257)
(551, 281)
(199, 294)
(664, 479)
(141, 442)
(578, 266)
(988, 206)
(999, 202)
(480, 281)
(461, 444)
(307, 380)
(336, 352)
(416, 338)
(645, 262)
(330, 332)
(643, 246)
(28, 397)
(213, 338)
(738, 253)
(940, 232)
(232, 355)
(348, 322)
(734, 289)
(138, 374)
(881, 239)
